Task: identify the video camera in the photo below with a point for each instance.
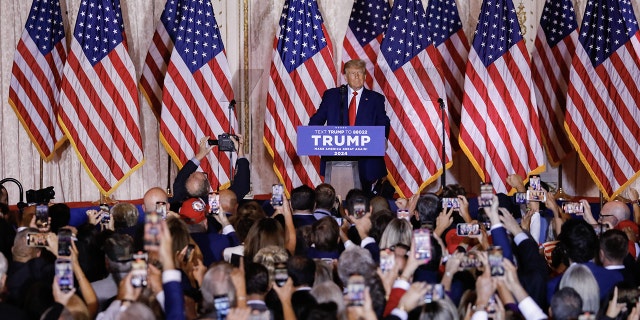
(41, 196)
(224, 142)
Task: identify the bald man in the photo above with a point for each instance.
(614, 212)
(153, 196)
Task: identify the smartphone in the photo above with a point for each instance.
(359, 209)
(534, 183)
(189, 253)
(486, 195)
(520, 197)
(573, 208)
(434, 292)
(64, 242)
(277, 194)
(450, 203)
(422, 244)
(105, 214)
(628, 295)
(42, 216)
(139, 269)
(495, 261)
(222, 305)
(161, 209)
(470, 261)
(214, 203)
(387, 260)
(467, 229)
(281, 275)
(37, 240)
(64, 271)
(403, 214)
(355, 290)
(536, 196)
(152, 230)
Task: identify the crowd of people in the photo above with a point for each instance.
(204, 255)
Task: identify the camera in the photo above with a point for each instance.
(224, 142)
(40, 196)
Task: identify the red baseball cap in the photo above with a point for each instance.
(193, 210)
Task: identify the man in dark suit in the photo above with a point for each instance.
(354, 105)
(190, 183)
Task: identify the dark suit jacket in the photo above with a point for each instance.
(371, 112)
(241, 182)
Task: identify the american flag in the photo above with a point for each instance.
(37, 73)
(99, 109)
(197, 88)
(407, 73)
(555, 45)
(368, 22)
(157, 59)
(452, 44)
(499, 129)
(301, 70)
(602, 115)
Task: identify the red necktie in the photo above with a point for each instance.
(352, 109)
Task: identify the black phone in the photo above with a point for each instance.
(64, 242)
(189, 253)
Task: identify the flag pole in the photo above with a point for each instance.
(443, 178)
(41, 173)
(169, 191)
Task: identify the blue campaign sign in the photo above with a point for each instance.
(341, 141)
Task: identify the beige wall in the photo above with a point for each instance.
(240, 20)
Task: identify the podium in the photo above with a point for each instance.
(343, 176)
(341, 146)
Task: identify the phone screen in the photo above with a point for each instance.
(534, 183)
(355, 290)
(64, 242)
(486, 195)
(467, 229)
(104, 213)
(222, 305)
(277, 194)
(422, 244)
(139, 270)
(152, 230)
(64, 272)
(37, 240)
(281, 275)
(387, 260)
(161, 209)
(450, 203)
(214, 202)
(495, 261)
(42, 216)
(403, 214)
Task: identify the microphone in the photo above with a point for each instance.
(232, 103)
(343, 88)
(441, 103)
